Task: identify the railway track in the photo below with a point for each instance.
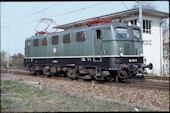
(21, 71)
(147, 84)
(150, 85)
(157, 78)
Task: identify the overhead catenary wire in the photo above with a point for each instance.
(32, 22)
(61, 13)
(78, 9)
(127, 8)
(65, 13)
(31, 14)
(9, 21)
(24, 26)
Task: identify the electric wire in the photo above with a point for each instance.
(9, 21)
(29, 15)
(128, 9)
(32, 22)
(78, 9)
(64, 13)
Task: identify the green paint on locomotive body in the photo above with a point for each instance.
(106, 44)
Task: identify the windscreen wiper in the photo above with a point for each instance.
(120, 35)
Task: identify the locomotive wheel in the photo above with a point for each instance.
(40, 72)
(32, 70)
(46, 72)
(118, 79)
(73, 74)
(122, 74)
(62, 74)
(110, 78)
(100, 79)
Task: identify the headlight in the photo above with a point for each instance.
(129, 23)
(121, 54)
(141, 50)
(121, 50)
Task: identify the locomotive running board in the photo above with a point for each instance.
(82, 56)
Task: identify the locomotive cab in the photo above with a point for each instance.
(128, 45)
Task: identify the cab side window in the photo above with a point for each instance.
(27, 43)
(54, 40)
(80, 36)
(98, 34)
(66, 38)
(35, 42)
(44, 41)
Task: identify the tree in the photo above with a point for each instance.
(4, 58)
(17, 60)
(20, 60)
(145, 5)
(14, 59)
(166, 45)
(165, 27)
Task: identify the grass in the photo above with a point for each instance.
(19, 97)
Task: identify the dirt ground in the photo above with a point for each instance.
(158, 100)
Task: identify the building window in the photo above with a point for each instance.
(44, 41)
(98, 34)
(54, 40)
(146, 26)
(35, 42)
(134, 22)
(80, 36)
(66, 38)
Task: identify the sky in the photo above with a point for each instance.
(19, 19)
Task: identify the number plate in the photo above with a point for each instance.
(132, 60)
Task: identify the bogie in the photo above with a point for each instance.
(33, 70)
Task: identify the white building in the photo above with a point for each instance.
(152, 34)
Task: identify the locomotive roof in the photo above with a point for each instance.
(123, 24)
(69, 30)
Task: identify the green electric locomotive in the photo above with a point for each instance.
(100, 50)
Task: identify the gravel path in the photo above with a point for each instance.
(146, 98)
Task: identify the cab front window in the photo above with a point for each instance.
(136, 33)
(122, 33)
